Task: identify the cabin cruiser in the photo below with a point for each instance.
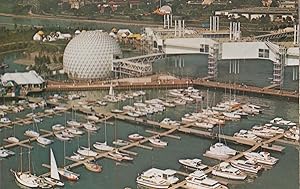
(262, 132)
(73, 123)
(116, 111)
(156, 178)
(135, 137)
(199, 180)
(54, 178)
(67, 134)
(280, 121)
(225, 170)
(193, 164)
(120, 156)
(73, 97)
(77, 157)
(103, 146)
(158, 142)
(168, 121)
(61, 137)
(120, 142)
(247, 136)
(31, 133)
(43, 140)
(12, 139)
(246, 165)
(89, 126)
(261, 157)
(220, 151)
(291, 135)
(93, 118)
(86, 152)
(5, 153)
(5, 120)
(204, 125)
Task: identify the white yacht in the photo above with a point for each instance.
(204, 125)
(225, 170)
(90, 126)
(43, 140)
(281, 121)
(116, 111)
(232, 115)
(168, 121)
(103, 146)
(120, 142)
(247, 136)
(246, 165)
(73, 123)
(156, 178)
(193, 164)
(61, 137)
(67, 134)
(93, 118)
(12, 139)
(261, 157)
(135, 137)
(262, 132)
(220, 151)
(120, 156)
(158, 142)
(199, 180)
(5, 120)
(86, 152)
(58, 127)
(31, 133)
(77, 157)
(74, 131)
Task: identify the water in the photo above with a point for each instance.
(117, 175)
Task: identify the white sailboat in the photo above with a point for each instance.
(87, 151)
(103, 146)
(43, 140)
(26, 178)
(54, 178)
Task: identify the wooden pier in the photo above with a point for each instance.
(174, 83)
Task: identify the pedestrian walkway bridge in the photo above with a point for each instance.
(136, 66)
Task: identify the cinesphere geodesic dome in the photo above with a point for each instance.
(89, 55)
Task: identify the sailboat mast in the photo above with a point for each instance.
(105, 128)
(89, 139)
(29, 161)
(64, 153)
(21, 156)
(207, 99)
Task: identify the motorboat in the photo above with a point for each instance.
(168, 121)
(158, 142)
(225, 170)
(101, 103)
(4, 153)
(58, 127)
(86, 152)
(261, 157)
(77, 157)
(116, 111)
(60, 108)
(54, 178)
(31, 133)
(246, 165)
(232, 115)
(120, 142)
(120, 156)
(204, 125)
(68, 174)
(65, 133)
(12, 139)
(73, 123)
(156, 178)
(5, 120)
(74, 131)
(61, 137)
(92, 167)
(89, 126)
(103, 146)
(193, 164)
(133, 114)
(262, 132)
(220, 151)
(281, 121)
(73, 97)
(199, 180)
(93, 118)
(291, 136)
(247, 136)
(135, 137)
(43, 140)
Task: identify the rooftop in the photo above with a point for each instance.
(22, 78)
(258, 10)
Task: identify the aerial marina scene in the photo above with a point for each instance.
(132, 94)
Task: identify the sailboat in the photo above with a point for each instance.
(87, 151)
(54, 178)
(26, 178)
(64, 172)
(103, 146)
